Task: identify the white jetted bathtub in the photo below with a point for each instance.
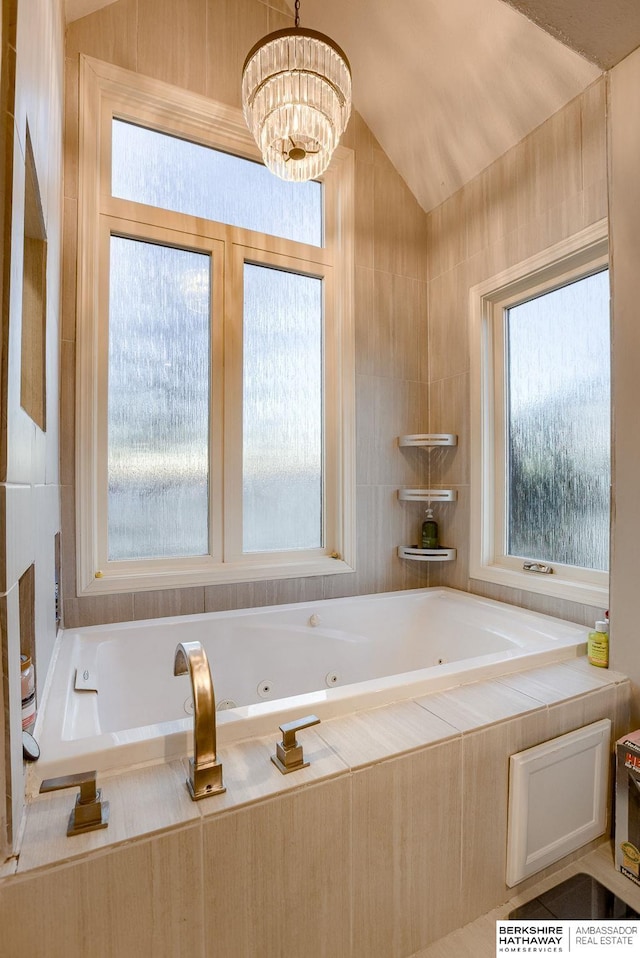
(270, 665)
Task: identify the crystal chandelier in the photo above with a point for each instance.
(296, 98)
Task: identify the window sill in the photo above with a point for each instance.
(220, 574)
(554, 585)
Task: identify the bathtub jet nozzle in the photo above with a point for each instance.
(205, 772)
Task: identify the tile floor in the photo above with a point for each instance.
(477, 939)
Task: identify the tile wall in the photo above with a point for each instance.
(548, 187)
(200, 45)
(393, 836)
(33, 35)
(624, 147)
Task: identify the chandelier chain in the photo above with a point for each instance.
(297, 9)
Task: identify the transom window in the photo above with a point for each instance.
(215, 367)
(541, 430)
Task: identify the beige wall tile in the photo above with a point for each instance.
(306, 589)
(547, 605)
(449, 410)
(607, 676)
(171, 42)
(400, 237)
(397, 327)
(373, 735)
(593, 108)
(407, 853)
(71, 131)
(364, 212)
(359, 137)
(98, 610)
(385, 409)
(624, 199)
(553, 224)
(551, 157)
(250, 776)
(448, 324)
(481, 703)
(276, 886)
(219, 598)
(595, 200)
(132, 815)
(279, 19)
(622, 724)
(151, 605)
(232, 30)
(249, 595)
(502, 210)
(68, 551)
(582, 710)
(447, 236)
(453, 522)
(280, 6)
(69, 266)
(109, 34)
(143, 899)
(485, 788)
(365, 336)
(396, 523)
(553, 682)
(67, 412)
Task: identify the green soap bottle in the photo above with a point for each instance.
(430, 532)
(598, 645)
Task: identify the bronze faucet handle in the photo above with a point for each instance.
(89, 812)
(289, 756)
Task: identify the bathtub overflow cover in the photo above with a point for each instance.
(332, 678)
(188, 705)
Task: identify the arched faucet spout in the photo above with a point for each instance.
(205, 772)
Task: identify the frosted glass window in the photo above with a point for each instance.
(282, 410)
(174, 174)
(558, 425)
(158, 414)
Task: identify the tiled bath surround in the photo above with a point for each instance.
(392, 837)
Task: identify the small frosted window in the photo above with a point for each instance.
(158, 419)
(559, 434)
(282, 410)
(174, 174)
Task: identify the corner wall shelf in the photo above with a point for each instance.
(429, 439)
(428, 495)
(426, 555)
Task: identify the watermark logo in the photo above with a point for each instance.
(580, 939)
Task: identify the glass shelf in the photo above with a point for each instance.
(428, 495)
(429, 439)
(426, 555)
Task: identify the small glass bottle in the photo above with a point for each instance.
(430, 532)
(28, 692)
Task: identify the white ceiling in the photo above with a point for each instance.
(447, 86)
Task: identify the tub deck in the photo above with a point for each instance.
(331, 658)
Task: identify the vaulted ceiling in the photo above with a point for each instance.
(448, 87)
